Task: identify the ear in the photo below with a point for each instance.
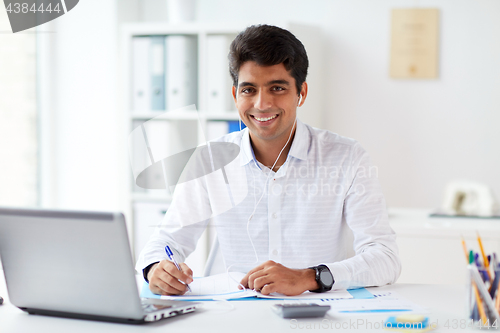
(302, 94)
(233, 92)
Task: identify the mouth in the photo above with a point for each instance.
(265, 119)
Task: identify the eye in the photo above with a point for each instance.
(247, 90)
(278, 88)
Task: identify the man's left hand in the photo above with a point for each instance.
(271, 277)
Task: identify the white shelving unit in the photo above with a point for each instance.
(197, 122)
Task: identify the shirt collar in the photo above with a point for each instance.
(301, 141)
(299, 148)
(246, 155)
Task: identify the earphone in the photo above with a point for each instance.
(257, 203)
(300, 100)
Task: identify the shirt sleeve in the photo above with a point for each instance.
(376, 261)
(182, 226)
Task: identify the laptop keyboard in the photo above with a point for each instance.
(149, 306)
(155, 309)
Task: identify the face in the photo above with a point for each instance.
(267, 100)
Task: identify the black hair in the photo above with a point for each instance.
(268, 45)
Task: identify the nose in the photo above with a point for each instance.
(263, 100)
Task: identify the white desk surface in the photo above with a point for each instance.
(418, 223)
(445, 302)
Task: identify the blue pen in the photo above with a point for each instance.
(170, 255)
(476, 260)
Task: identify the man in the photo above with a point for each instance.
(306, 187)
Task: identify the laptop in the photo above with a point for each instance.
(77, 265)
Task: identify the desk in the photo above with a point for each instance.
(446, 302)
(430, 248)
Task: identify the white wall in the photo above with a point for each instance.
(18, 117)
(420, 133)
(78, 90)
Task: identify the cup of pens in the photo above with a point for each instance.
(483, 294)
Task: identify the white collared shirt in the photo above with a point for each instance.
(326, 187)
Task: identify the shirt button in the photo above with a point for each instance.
(275, 216)
(275, 252)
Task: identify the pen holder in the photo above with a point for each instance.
(482, 298)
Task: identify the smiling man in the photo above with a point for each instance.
(307, 188)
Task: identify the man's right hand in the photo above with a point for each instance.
(165, 279)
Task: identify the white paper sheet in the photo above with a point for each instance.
(225, 286)
(386, 303)
(374, 306)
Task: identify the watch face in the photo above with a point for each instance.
(326, 278)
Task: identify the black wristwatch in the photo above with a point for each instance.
(324, 278)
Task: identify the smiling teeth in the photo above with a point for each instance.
(266, 119)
